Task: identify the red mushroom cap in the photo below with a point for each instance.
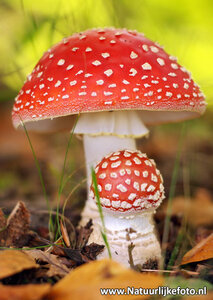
(101, 70)
(128, 181)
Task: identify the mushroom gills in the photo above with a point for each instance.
(122, 124)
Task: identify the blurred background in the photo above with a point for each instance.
(28, 28)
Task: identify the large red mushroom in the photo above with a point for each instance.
(118, 80)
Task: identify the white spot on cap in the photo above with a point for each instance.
(144, 77)
(137, 173)
(105, 54)
(121, 66)
(115, 195)
(151, 188)
(133, 72)
(125, 97)
(51, 55)
(122, 172)
(133, 55)
(113, 175)
(74, 49)
(88, 75)
(135, 89)
(102, 38)
(175, 85)
(94, 94)
(116, 204)
(61, 62)
(100, 82)
(154, 49)
(50, 99)
(65, 97)
(107, 93)
(88, 49)
(112, 42)
(82, 94)
(146, 66)
(58, 83)
(174, 66)
(125, 81)
(50, 78)
(128, 181)
(128, 163)
(136, 185)
(172, 74)
(168, 94)
(132, 196)
(137, 161)
(145, 174)
(73, 82)
(143, 186)
(99, 188)
(69, 67)
(145, 48)
(96, 63)
(108, 187)
(154, 178)
(148, 163)
(161, 61)
(186, 86)
(102, 175)
(104, 165)
(39, 74)
(116, 164)
(41, 86)
(112, 85)
(121, 188)
(108, 72)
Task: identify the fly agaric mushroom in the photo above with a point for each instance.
(115, 94)
(130, 189)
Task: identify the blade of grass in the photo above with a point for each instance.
(70, 194)
(103, 232)
(51, 227)
(171, 194)
(60, 189)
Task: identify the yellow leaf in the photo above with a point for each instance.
(14, 261)
(202, 251)
(85, 282)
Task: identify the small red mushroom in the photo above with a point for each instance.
(118, 80)
(130, 189)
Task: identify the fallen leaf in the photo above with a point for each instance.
(85, 281)
(26, 292)
(18, 224)
(64, 233)
(202, 251)
(199, 209)
(55, 266)
(13, 262)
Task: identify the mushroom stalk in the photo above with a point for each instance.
(121, 232)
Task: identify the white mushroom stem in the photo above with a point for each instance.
(103, 133)
(121, 232)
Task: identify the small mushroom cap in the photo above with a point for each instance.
(105, 70)
(128, 182)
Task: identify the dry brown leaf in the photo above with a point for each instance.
(202, 251)
(2, 227)
(24, 292)
(199, 210)
(14, 261)
(18, 224)
(54, 264)
(85, 281)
